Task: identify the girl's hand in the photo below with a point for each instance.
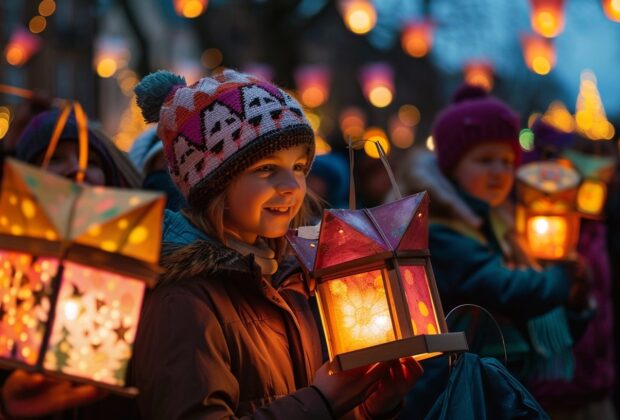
(346, 390)
(392, 387)
(33, 395)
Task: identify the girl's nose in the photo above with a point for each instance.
(287, 183)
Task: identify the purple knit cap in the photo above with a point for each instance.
(36, 136)
(473, 118)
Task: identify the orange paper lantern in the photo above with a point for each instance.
(612, 9)
(359, 16)
(374, 284)
(547, 17)
(74, 263)
(546, 215)
(539, 54)
(417, 37)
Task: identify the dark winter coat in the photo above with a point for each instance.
(217, 340)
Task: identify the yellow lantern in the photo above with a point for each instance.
(545, 213)
(597, 172)
(547, 17)
(612, 9)
(74, 263)
(539, 54)
(374, 284)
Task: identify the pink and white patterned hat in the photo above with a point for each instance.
(216, 128)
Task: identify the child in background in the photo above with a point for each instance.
(228, 330)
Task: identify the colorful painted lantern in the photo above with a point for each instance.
(374, 284)
(545, 213)
(74, 263)
(596, 172)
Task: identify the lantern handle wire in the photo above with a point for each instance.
(386, 164)
(501, 334)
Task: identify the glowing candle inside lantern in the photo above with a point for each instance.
(547, 236)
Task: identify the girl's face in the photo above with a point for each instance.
(65, 163)
(264, 198)
(487, 172)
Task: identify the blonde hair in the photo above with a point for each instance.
(210, 219)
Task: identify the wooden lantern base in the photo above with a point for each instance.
(420, 347)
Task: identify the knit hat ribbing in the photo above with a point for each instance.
(219, 126)
(473, 118)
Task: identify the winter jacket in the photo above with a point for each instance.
(217, 340)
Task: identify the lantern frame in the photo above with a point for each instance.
(405, 341)
(129, 272)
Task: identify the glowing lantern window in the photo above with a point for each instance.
(612, 9)
(539, 54)
(377, 80)
(417, 38)
(597, 172)
(547, 17)
(375, 286)
(546, 215)
(74, 263)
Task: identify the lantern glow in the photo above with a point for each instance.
(539, 54)
(545, 214)
(21, 46)
(591, 197)
(479, 73)
(190, 9)
(313, 85)
(375, 289)
(417, 38)
(547, 17)
(377, 84)
(74, 265)
(612, 9)
(359, 16)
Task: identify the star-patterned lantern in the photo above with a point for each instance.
(545, 213)
(596, 173)
(74, 263)
(374, 284)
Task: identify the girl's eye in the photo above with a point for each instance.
(265, 168)
(300, 167)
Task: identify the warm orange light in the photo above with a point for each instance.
(37, 24)
(375, 135)
(47, 7)
(377, 84)
(21, 46)
(417, 38)
(313, 84)
(612, 9)
(211, 58)
(547, 17)
(559, 117)
(15, 55)
(352, 123)
(401, 135)
(358, 310)
(479, 73)
(591, 197)
(409, 115)
(590, 117)
(548, 236)
(190, 8)
(359, 16)
(539, 54)
(106, 67)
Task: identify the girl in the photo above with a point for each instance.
(228, 331)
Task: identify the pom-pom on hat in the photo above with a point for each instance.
(473, 118)
(216, 128)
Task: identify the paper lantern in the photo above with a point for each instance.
(596, 173)
(377, 80)
(479, 73)
(539, 54)
(21, 46)
(417, 37)
(374, 284)
(612, 9)
(545, 213)
(359, 16)
(547, 17)
(74, 263)
(313, 85)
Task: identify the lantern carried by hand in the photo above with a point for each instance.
(74, 263)
(374, 284)
(545, 213)
(596, 173)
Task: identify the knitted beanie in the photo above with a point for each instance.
(216, 128)
(473, 118)
(35, 139)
